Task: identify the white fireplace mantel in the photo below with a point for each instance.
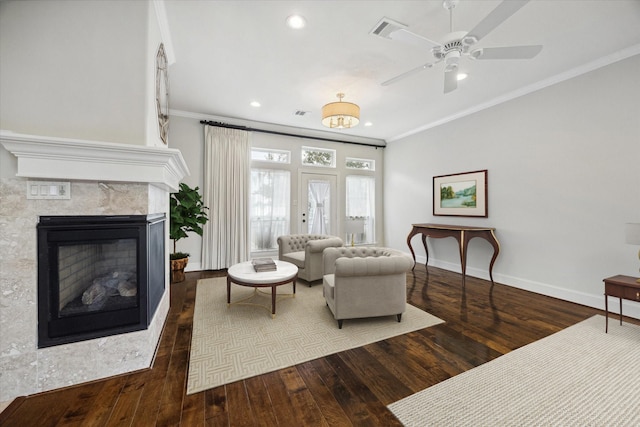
(75, 159)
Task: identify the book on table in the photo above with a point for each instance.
(264, 264)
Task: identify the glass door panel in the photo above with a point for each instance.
(318, 209)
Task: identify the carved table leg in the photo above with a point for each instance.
(426, 251)
(462, 244)
(496, 250)
(413, 254)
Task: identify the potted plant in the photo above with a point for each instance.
(187, 214)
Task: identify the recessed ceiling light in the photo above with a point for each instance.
(296, 21)
(368, 124)
(462, 76)
(255, 104)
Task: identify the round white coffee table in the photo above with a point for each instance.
(243, 274)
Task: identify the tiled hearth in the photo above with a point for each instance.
(136, 187)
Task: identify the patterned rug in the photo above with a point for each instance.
(579, 376)
(232, 343)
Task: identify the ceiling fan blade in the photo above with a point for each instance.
(409, 73)
(511, 52)
(496, 17)
(408, 37)
(450, 80)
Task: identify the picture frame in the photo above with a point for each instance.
(461, 194)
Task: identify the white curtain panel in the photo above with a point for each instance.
(227, 161)
(319, 191)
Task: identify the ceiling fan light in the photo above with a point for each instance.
(340, 115)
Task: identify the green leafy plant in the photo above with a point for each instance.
(187, 214)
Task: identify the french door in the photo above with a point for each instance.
(318, 210)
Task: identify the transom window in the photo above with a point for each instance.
(363, 164)
(270, 155)
(322, 157)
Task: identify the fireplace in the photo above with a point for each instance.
(98, 275)
(107, 178)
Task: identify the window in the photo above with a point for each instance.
(360, 209)
(322, 157)
(364, 164)
(270, 155)
(269, 207)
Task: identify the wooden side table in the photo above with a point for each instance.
(622, 287)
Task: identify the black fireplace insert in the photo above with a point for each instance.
(98, 275)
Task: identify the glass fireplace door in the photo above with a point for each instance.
(98, 275)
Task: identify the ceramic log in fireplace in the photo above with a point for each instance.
(98, 275)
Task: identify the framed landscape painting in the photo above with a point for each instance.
(460, 194)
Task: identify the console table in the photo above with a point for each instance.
(623, 287)
(462, 234)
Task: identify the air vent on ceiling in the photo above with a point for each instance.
(385, 27)
(300, 113)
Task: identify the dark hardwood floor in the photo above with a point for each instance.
(351, 388)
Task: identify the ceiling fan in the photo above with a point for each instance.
(462, 43)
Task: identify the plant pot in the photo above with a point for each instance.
(177, 269)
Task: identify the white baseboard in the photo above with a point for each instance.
(629, 308)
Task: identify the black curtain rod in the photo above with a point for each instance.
(273, 132)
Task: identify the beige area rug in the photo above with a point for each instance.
(230, 344)
(579, 376)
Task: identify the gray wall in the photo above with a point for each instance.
(563, 179)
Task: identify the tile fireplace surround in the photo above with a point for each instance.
(106, 179)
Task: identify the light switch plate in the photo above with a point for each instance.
(48, 190)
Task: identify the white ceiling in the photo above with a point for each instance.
(229, 53)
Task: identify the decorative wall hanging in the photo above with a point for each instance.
(461, 194)
(162, 94)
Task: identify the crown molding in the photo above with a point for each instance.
(558, 78)
(75, 159)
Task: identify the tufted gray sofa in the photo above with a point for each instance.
(305, 251)
(365, 282)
